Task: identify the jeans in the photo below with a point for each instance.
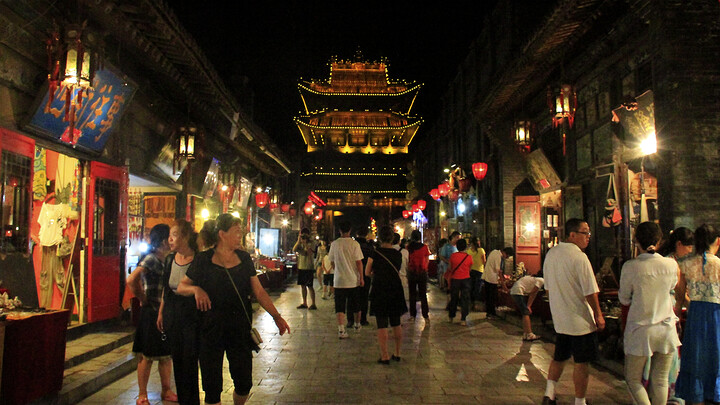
(659, 369)
(490, 298)
(417, 287)
(477, 283)
(460, 290)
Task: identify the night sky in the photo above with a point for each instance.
(274, 44)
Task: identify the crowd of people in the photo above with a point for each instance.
(195, 294)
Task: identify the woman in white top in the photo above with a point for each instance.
(645, 285)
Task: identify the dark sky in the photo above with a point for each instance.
(275, 43)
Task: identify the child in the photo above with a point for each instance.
(523, 293)
(328, 277)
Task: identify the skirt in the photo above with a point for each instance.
(699, 377)
(148, 340)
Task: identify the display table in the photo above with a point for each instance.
(33, 355)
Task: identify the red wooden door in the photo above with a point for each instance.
(528, 229)
(106, 224)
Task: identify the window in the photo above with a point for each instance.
(105, 217)
(15, 210)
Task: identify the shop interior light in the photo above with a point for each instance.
(461, 206)
(144, 247)
(530, 227)
(443, 213)
(649, 145)
(224, 187)
(235, 214)
(285, 222)
(205, 214)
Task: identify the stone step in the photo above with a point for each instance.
(92, 345)
(90, 376)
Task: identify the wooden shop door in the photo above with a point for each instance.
(528, 230)
(106, 224)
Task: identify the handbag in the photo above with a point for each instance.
(612, 216)
(254, 334)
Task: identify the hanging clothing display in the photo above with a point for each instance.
(67, 181)
(52, 269)
(53, 219)
(40, 174)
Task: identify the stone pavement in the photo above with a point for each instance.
(485, 362)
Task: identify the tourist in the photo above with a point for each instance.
(386, 296)
(476, 271)
(459, 282)
(178, 316)
(441, 265)
(150, 344)
(328, 277)
(650, 333)
(680, 243)
(573, 292)
(524, 292)
(494, 276)
(222, 279)
(306, 274)
(206, 236)
(700, 360)
(367, 248)
(399, 245)
(444, 256)
(418, 260)
(346, 258)
(320, 254)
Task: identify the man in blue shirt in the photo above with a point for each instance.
(444, 256)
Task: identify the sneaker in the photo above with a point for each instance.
(312, 306)
(357, 327)
(342, 334)
(547, 401)
(530, 337)
(463, 323)
(302, 306)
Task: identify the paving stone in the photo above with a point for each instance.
(486, 362)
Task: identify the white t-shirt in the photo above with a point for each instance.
(492, 267)
(526, 284)
(344, 254)
(569, 278)
(327, 264)
(52, 220)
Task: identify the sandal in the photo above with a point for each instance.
(171, 397)
(142, 400)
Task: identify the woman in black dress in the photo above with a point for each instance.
(387, 295)
(222, 279)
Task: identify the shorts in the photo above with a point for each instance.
(306, 277)
(583, 349)
(346, 300)
(328, 279)
(521, 302)
(383, 321)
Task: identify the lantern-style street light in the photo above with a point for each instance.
(522, 131)
(435, 194)
(562, 102)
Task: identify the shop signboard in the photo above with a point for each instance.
(97, 116)
(541, 173)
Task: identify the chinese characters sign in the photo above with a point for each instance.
(97, 116)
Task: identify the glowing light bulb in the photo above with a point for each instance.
(205, 213)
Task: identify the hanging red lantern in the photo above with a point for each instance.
(562, 102)
(406, 214)
(421, 204)
(273, 206)
(453, 195)
(292, 212)
(443, 189)
(479, 170)
(261, 199)
(414, 208)
(308, 208)
(285, 208)
(318, 215)
(435, 194)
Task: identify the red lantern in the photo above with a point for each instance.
(453, 195)
(444, 189)
(261, 199)
(285, 208)
(318, 215)
(308, 208)
(414, 208)
(406, 214)
(421, 204)
(292, 212)
(273, 206)
(479, 170)
(435, 194)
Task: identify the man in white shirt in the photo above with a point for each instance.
(573, 292)
(346, 258)
(492, 276)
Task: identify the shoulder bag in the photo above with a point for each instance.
(254, 334)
